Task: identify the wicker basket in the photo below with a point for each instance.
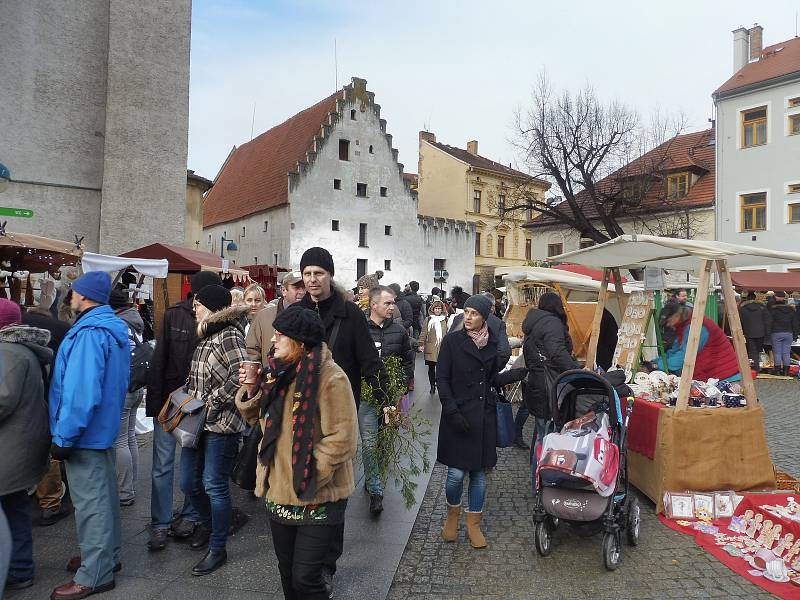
(786, 482)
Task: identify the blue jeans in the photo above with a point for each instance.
(368, 424)
(205, 479)
(782, 348)
(92, 476)
(162, 478)
(476, 493)
(17, 507)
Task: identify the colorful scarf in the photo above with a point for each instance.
(278, 379)
(480, 337)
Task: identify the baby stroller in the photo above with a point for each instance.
(582, 474)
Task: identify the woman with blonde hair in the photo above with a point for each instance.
(430, 338)
(305, 407)
(255, 300)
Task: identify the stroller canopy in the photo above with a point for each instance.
(577, 392)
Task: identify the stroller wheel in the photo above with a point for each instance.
(633, 522)
(543, 539)
(612, 556)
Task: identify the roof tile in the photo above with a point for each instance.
(776, 60)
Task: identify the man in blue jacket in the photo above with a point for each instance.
(87, 392)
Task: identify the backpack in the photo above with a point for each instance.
(141, 356)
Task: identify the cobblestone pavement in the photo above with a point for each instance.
(666, 564)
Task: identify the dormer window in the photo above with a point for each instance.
(677, 185)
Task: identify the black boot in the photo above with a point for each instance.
(199, 539)
(375, 504)
(212, 561)
(433, 389)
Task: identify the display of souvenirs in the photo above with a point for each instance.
(703, 506)
(723, 505)
(658, 386)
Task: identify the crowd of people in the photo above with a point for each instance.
(68, 406)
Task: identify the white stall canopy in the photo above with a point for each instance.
(153, 267)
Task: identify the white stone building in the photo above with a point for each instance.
(329, 177)
(95, 117)
(758, 145)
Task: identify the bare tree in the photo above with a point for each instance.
(575, 142)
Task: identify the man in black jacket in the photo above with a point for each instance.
(783, 330)
(390, 340)
(755, 320)
(416, 302)
(406, 313)
(168, 371)
(350, 342)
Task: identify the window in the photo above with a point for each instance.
(361, 190)
(387, 265)
(383, 192)
(275, 259)
(334, 225)
(754, 212)
(585, 244)
(794, 124)
(555, 249)
(387, 230)
(439, 264)
(209, 237)
(794, 213)
(794, 188)
(754, 127)
(476, 202)
(337, 184)
(362, 235)
(501, 204)
(353, 115)
(631, 189)
(528, 249)
(244, 231)
(501, 246)
(266, 226)
(361, 267)
(477, 244)
(793, 102)
(677, 185)
(344, 150)
(370, 149)
(255, 260)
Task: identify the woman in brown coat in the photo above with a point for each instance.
(430, 338)
(305, 407)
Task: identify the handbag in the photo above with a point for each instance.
(505, 422)
(184, 416)
(244, 471)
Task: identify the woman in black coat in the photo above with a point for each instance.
(467, 368)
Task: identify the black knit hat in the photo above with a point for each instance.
(300, 324)
(317, 257)
(214, 297)
(203, 278)
(480, 303)
(118, 298)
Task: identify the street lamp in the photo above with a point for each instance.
(232, 247)
(5, 177)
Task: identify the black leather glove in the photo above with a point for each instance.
(59, 453)
(458, 421)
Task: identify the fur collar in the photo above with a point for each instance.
(232, 316)
(23, 334)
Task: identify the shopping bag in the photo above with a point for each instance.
(505, 423)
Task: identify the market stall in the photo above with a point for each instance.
(709, 448)
(183, 263)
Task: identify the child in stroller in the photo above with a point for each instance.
(582, 477)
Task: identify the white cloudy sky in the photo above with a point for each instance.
(460, 67)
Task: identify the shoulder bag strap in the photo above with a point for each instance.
(334, 333)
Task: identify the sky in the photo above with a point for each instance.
(457, 68)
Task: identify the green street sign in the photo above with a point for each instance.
(16, 212)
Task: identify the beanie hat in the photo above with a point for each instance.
(317, 257)
(95, 285)
(780, 294)
(203, 278)
(480, 303)
(369, 281)
(118, 299)
(10, 313)
(214, 297)
(414, 285)
(300, 324)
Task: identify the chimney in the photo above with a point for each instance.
(472, 146)
(756, 41)
(741, 43)
(427, 136)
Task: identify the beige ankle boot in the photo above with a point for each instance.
(476, 538)
(450, 529)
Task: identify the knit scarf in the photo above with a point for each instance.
(278, 379)
(480, 337)
(435, 326)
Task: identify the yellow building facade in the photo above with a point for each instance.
(455, 183)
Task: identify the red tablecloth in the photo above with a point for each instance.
(643, 427)
(756, 503)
